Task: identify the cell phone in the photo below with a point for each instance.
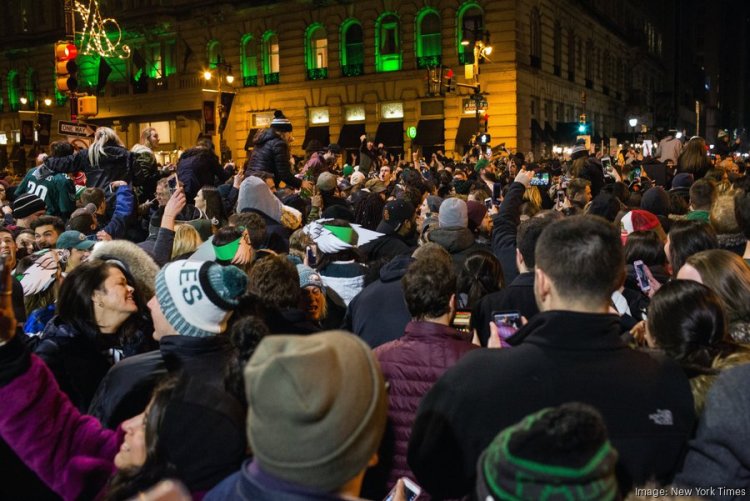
(462, 320)
(411, 489)
(559, 199)
(607, 165)
(497, 190)
(488, 203)
(640, 276)
(172, 183)
(540, 179)
(507, 322)
(636, 173)
(312, 260)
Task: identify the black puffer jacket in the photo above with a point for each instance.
(116, 164)
(271, 154)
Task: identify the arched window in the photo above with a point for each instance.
(571, 55)
(270, 58)
(429, 47)
(316, 52)
(535, 21)
(557, 49)
(387, 43)
(249, 61)
(213, 51)
(470, 28)
(14, 90)
(590, 55)
(32, 86)
(352, 48)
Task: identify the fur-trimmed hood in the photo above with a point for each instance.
(141, 266)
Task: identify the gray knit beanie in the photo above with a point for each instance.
(317, 408)
(197, 297)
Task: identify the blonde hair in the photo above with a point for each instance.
(722, 214)
(186, 239)
(102, 137)
(726, 274)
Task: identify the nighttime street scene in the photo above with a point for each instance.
(384, 250)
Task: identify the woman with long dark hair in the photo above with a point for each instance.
(96, 324)
(209, 201)
(686, 320)
(686, 238)
(481, 274)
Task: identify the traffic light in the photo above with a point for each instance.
(66, 67)
(447, 79)
(583, 127)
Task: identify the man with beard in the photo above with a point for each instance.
(398, 227)
(46, 231)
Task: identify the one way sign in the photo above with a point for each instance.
(74, 129)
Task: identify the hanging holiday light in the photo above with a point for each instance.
(94, 39)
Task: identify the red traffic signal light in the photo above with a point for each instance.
(66, 67)
(449, 73)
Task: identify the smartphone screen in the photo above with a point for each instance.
(462, 319)
(311, 258)
(607, 164)
(411, 490)
(540, 179)
(496, 192)
(488, 203)
(507, 322)
(641, 277)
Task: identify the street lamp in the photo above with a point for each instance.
(47, 101)
(633, 122)
(24, 100)
(224, 71)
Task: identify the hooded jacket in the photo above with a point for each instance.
(379, 313)
(459, 242)
(271, 154)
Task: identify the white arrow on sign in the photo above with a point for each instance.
(76, 129)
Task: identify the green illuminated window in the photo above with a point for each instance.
(213, 50)
(88, 71)
(470, 20)
(153, 60)
(270, 48)
(32, 85)
(387, 43)
(316, 52)
(14, 90)
(249, 61)
(352, 48)
(429, 41)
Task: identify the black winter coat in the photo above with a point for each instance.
(116, 165)
(197, 168)
(379, 314)
(563, 356)
(271, 154)
(126, 389)
(518, 296)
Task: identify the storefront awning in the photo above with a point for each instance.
(537, 133)
(549, 133)
(467, 127)
(391, 134)
(350, 134)
(320, 133)
(430, 133)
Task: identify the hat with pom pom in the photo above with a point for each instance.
(280, 122)
(197, 297)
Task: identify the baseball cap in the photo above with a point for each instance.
(73, 239)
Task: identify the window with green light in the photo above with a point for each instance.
(213, 51)
(352, 48)
(153, 61)
(249, 61)
(429, 47)
(316, 52)
(270, 47)
(387, 43)
(32, 86)
(470, 27)
(14, 90)
(88, 72)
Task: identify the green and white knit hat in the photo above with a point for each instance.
(557, 453)
(197, 297)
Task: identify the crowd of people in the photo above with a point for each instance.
(357, 325)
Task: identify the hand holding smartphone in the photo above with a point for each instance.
(410, 492)
(641, 276)
(507, 323)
